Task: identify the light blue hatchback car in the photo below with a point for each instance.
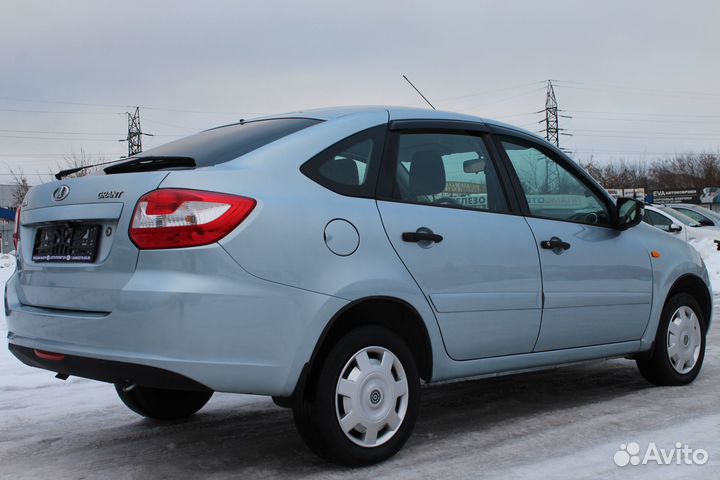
(335, 259)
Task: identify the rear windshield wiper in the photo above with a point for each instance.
(149, 164)
(69, 171)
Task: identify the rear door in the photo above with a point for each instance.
(445, 208)
(597, 280)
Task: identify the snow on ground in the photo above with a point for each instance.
(562, 423)
(709, 252)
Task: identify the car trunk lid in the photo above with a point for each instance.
(90, 274)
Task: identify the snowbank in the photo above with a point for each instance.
(710, 254)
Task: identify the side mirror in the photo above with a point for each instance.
(674, 228)
(630, 213)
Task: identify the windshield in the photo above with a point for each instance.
(680, 216)
(706, 211)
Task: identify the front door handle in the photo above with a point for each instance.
(421, 237)
(554, 244)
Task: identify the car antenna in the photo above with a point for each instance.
(419, 93)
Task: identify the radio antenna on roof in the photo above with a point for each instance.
(419, 93)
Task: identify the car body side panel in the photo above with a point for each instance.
(677, 259)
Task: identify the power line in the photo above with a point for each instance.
(32, 137)
(640, 92)
(55, 132)
(645, 120)
(110, 105)
(649, 91)
(50, 155)
(488, 92)
(505, 99)
(17, 110)
(635, 152)
(633, 132)
(648, 114)
(644, 137)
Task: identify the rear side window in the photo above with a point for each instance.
(351, 166)
(447, 170)
(222, 144)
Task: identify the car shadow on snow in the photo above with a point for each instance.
(259, 438)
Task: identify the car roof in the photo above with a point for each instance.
(394, 113)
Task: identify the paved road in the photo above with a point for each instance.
(562, 423)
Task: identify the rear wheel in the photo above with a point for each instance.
(679, 344)
(365, 400)
(162, 404)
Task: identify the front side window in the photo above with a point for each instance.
(446, 169)
(657, 220)
(551, 190)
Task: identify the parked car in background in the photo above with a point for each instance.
(334, 259)
(676, 223)
(704, 216)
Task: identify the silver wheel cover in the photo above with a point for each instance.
(371, 397)
(684, 339)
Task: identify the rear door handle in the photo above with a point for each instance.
(421, 237)
(554, 244)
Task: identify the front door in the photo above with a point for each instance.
(450, 222)
(597, 280)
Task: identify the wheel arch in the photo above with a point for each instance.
(695, 286)
(393, 313)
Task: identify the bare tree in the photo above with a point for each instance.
(691, 170)
(82, 161)
(21, 185)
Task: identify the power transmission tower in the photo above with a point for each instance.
(134, 136)
(552, 126)
(552, 134)
(135, 133)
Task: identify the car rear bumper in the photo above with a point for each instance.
(104, 370)
(194, 313)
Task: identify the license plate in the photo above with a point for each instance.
(75, 242)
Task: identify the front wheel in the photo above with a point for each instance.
(366, 399)
(162, 404)
(679, 344)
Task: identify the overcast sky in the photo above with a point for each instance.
(640, 78)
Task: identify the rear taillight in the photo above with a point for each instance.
(16, 229)
(174, 218)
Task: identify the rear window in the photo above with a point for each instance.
(222, 144)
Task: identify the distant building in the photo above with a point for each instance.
(7, 225)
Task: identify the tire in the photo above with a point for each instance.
(162, 404)
(679, 348)
(377, 401)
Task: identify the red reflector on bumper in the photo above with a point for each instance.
(53, 357)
